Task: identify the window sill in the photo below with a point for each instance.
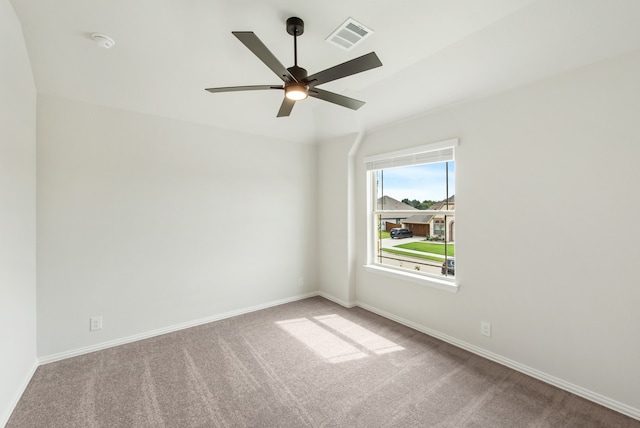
(428, 281)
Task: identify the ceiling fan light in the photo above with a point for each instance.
(296, 92)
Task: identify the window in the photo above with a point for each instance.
(412, 213)
(438, 227)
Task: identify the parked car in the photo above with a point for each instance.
(449, 267)
(398, 232)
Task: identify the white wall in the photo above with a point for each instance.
(17, 213)
(333, 226)
(547, 236)
(152, 222)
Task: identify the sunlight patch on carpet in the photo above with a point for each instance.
(329, 336)
(321, 341)
(366, 338)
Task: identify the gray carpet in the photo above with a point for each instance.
(305, 364)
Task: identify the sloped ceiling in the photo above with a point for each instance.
(434, 53)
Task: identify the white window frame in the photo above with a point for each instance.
(440, 151)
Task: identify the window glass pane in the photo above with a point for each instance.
(416, 240)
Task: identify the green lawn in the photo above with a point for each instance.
(419, 256)
(384, 235)
(429, 247)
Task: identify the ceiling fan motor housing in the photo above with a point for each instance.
(298, 72)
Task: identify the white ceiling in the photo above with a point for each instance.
(434, 53)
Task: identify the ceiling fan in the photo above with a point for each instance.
(297, 85)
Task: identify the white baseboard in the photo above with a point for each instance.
(146, 335)
(4, 419)
(537, 374)
(336, 300)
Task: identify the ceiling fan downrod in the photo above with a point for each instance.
(295, 27)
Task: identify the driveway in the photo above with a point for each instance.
(390, 242)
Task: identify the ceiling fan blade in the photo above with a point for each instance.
(251, 41)
(357, 65)
(332, 97)
(286, 107)
(244, 88)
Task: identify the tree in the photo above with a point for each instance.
(417, 204)
(426, 204)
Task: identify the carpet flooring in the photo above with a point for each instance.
(309, 363)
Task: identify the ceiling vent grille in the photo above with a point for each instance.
(349, 34)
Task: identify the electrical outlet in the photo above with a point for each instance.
(95, 323)
(485, 328)
(301, 282)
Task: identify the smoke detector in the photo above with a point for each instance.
(103, 41)
(349, 34)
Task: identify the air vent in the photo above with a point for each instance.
(349, 34)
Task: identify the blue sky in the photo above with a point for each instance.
(421, 182)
